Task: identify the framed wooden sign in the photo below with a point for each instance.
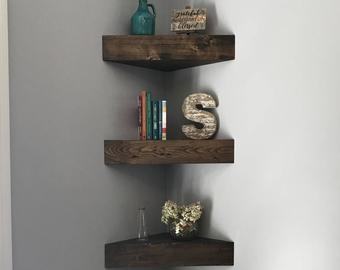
(189, 20)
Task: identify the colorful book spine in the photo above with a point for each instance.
(164, 112)
(148, 116)
(139, 102)
(160, 112)
(143, 98)
(155, 119)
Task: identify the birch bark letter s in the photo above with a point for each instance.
(192, 113)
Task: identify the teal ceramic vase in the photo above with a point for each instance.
(143, 21)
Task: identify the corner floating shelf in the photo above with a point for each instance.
(169, 52)
(169, 152)
(161, 251)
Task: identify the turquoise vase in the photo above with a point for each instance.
(143, 21)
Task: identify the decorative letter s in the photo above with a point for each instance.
(192, 113)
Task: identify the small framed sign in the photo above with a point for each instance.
(189, 20)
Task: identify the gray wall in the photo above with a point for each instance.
(280, 201)
(65, 101)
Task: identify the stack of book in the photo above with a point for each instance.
(152, 117)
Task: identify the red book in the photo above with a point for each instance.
(143, 96)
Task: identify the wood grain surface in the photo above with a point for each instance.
(161, 251)
(169, 52)
(169, 152)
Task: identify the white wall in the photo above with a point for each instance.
(5, 177)
(279, 100)
(65, 101)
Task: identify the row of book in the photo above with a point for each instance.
(151, 117)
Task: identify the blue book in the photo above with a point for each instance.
(148, 116)
(159, 120)
(155, 121)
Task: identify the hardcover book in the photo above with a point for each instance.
(155, 120)
(148, 116)
(139, 102)
(164, 112)
(160, 113)
(143, 98)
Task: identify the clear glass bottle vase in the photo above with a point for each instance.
(142, 233)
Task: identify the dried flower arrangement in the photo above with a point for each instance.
(182, 219)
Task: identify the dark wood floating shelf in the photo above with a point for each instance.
(169, 152)
(169, 52)
(161, 251)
